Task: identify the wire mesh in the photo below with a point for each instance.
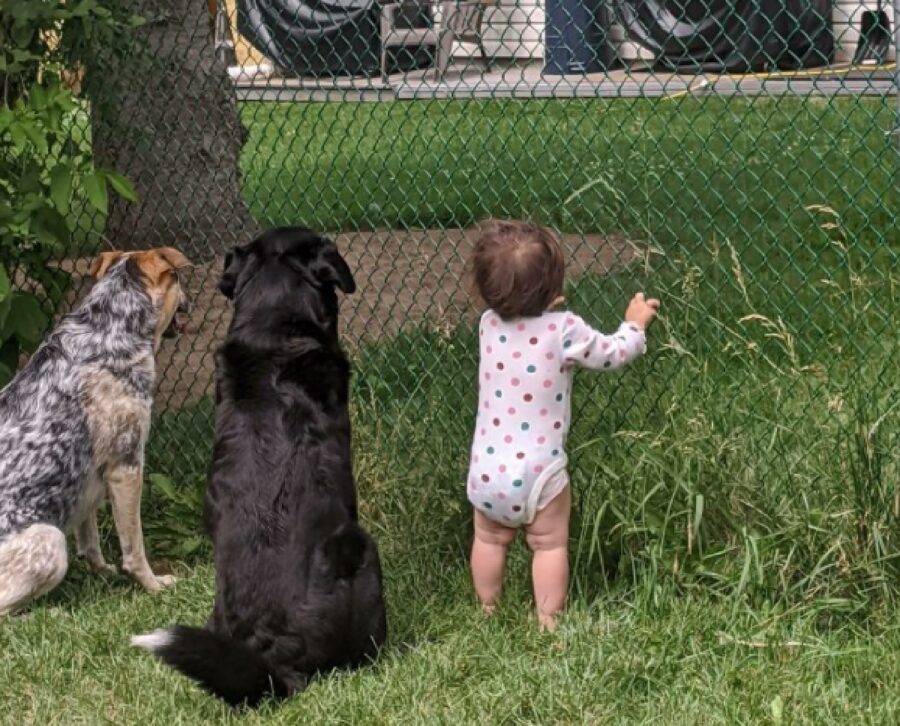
(735, 158)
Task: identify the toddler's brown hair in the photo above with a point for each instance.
(518, 268)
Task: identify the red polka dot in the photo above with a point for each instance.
(557, 425)
(562, 369)
(587, 354)
(538, 469)
(543, 412)
(517, 355)
(520, 327)
(520, 455)
(485, 477)
(527, 397)
(507, 439)
(533, 341)
(542, 439)
(549, 356)
(502, 469)
(496, 422)
(499, 366)
(515, 381)
(511, 411)
(551, 327)
(516, 508)
(548, 383)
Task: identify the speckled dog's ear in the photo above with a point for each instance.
(104, 262)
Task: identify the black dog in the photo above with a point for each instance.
(298, 581)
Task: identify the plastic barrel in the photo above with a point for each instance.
(576, 37)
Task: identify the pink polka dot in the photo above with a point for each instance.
(496, 422)
(487, 375)
(475, 458)
(569, 321)
(502, 468)
(542, 439)
(494, 322)
(487, 404)
(507, 439)
(517, 355)
(515, 381)
(520, 327)
(527, 397)
(489, 349)
(548, 383)
(501, 495)
(533, 341)
(543, 412)
(549, 356)
(604, 345)
(538, 469)
(621, 354)
(551, 327)
(511, 411)
(483, 432)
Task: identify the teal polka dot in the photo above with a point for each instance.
(531, 369)
(498, 394)
(559, 397)
(567, 344)
(525, 426)
(554, 452)
(487, 505)
(517, 483)
(502, 338)
(490, 449)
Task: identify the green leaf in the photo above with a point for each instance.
(95, 186)
(56, 282)
(9, 356)
(121, 185)
(5, 285)
(50, 227)
(161, 484)
(26, 318)
(61, 187)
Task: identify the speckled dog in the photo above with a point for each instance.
(73, 424)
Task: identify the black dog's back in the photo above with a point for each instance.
(298, 581)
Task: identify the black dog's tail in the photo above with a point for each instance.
(221, 665)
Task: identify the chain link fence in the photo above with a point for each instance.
(737, 160)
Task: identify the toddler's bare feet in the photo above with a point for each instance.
(547, 621)
(488, 609)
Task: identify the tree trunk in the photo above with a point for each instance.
(165, 116)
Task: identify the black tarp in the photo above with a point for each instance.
(734, 36)
(323, 37)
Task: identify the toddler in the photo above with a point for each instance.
(517, 472)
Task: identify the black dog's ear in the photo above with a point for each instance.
(234, 263)
(332, 269)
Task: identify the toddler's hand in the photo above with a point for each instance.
(642, 312)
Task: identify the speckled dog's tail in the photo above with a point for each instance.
(221, 665)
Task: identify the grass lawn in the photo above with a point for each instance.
(735, 536)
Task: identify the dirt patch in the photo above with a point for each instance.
(404, 279)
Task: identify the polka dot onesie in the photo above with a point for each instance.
(518, 461)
